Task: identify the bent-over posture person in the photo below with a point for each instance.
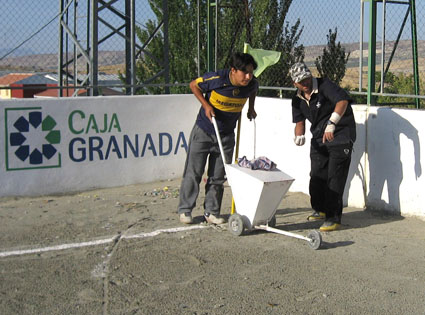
(222, 94)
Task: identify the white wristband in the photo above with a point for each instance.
(335, 118)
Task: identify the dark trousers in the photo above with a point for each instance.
(202, 148)
(329, 171)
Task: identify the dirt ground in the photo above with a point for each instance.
(123, 251)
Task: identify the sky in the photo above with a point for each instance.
(32, 26)
(346, 16)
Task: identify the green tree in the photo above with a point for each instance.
(261, 23)
(332, 64)
(396, 84)
(182, 39)
(393, 84)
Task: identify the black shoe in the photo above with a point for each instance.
(316, 215)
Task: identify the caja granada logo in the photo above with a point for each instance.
(31, 137)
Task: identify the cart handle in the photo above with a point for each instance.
(219, 139)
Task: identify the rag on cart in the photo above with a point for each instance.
(260, 163)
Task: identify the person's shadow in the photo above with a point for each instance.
(382, 167)
(384, 163)
(356, 166)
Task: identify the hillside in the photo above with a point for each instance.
(49, 62)
(112, 61)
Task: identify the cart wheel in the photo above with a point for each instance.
(272, 222)
(316, 239)
(236, 224)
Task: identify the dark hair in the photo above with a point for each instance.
(240, 61)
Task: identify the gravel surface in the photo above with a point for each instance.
(123, 251)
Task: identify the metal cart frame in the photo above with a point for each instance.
(257, 194)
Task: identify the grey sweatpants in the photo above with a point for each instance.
(203, 147)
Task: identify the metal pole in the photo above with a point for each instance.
(371, 100)
(94, 48)
(166, 46)
(216, 35)
(133, 46)
(210, 35)
(383, 45)
(130, 50)
(220, 145)
(414, 50)
(361, 45)
(66, 50)
(274, 230)
(60, 49)
(199, 41)
(75, 46)
(128, 56)
(88, 36)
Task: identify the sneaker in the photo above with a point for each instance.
(212, 219)
(186, 218)
(329, 226)
(316, 215)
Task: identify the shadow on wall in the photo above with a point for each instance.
(384, 159)
(356, 165)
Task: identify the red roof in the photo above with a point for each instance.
(14, 77)
(70, 91)
(55, 93)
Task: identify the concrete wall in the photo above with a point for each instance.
(104, 142)
(386, 166)
(394, 160)
(115, 141)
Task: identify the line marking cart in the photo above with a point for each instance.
(257, 194)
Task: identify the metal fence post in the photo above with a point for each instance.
(371, 100)
(414, 50)
(210, 35)
(93, 75)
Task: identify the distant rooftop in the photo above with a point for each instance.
(13, 78)
(36, 79)
(103, 79)
(69, 92)
(43, 78)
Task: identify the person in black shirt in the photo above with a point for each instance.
(328, 108)
(222, 94)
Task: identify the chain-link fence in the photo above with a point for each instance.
(31, 40)
(175, 40)
(302, 30)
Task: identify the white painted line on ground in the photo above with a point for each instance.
(172, 230)
(97, 242)
(55, 248)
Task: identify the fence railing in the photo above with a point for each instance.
(173, 41)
